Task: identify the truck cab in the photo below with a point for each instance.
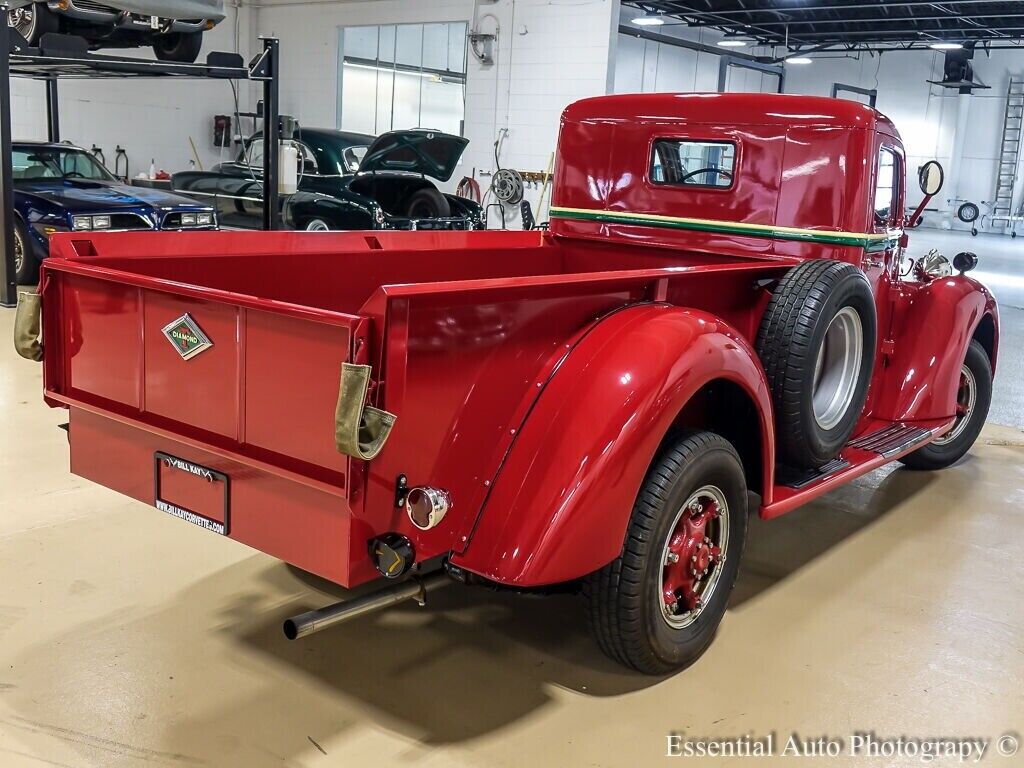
(721, 321)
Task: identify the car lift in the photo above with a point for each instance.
(65, 56)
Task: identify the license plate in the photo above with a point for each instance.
(192, 492)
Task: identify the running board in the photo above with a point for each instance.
(801, 478)
(891, 440)
(880, 444)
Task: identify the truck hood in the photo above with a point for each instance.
(430, 153)
(82, 195)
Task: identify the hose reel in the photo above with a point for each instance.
(507, 186)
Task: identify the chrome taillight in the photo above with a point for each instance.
(427, 507)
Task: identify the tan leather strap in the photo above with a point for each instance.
(27, 321)
(360, 431)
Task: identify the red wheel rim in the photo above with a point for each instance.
(966, 399)
(693, 556)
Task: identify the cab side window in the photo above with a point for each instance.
(886, 188)
(679, 162)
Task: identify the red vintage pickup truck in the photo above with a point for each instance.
(721, 321)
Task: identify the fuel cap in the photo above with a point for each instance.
(392, 554)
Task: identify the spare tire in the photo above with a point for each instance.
(427, 203)
(817, 345)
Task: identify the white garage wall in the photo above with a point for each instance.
(552, 52)
(152, 119)
(926, 115)
(308, 31)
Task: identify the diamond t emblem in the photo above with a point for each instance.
(186, 337)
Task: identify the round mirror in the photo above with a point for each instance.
(931, 177)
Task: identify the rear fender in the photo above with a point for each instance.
(560, 503)
(933, 325)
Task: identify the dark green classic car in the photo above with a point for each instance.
(346, 181)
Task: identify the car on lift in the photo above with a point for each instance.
(173, 27)
(62, 188)
(345, 181)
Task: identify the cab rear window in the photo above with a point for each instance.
(690, 163)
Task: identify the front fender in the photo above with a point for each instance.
(560, 503)
(932, 326)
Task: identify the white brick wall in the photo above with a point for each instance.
(552, 53)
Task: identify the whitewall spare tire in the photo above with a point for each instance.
(817, 345)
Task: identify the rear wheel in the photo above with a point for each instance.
(656, 607)
(32, 22)
(178, 46)
(318, 225)
(428, 203)
(973, 398)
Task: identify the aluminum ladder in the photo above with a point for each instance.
(1009, 153)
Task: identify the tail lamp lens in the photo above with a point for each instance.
(427, 507)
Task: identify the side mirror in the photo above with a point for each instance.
(931, 177)
(965, 261)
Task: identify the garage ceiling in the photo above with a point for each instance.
(860, 24)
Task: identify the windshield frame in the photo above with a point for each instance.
(59, 163)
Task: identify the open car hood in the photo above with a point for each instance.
(431, 153)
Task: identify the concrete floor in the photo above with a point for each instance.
(129, 638)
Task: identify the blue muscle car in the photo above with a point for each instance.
(60, 188)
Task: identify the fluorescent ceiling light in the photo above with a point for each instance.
(731, 43)
(649, 21)
(799, 60)
(946, 46)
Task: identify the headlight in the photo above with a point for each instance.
(378, 215)
(101, 222)
(79, 223)
(934, 266)
(204, 219)
(188, 219)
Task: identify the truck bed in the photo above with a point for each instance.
(461, 330)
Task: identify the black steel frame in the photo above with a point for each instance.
(63, 57)
(730, 60)
(871, 93)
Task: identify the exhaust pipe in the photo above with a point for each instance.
(322, 618)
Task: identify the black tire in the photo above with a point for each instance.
(427, 203)
(792, 334)
(968, 213)
(624, 598)
(43, 22)
(27, 273)
(952, 447)
(974, 232)
(178, 46)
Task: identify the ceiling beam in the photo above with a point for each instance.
(862, 20)
(687, 9)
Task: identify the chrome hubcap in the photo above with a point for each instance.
(19, 251)
(838, 368)
(317, 226)
(693, 556)
(23, 20)
(966, 399)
